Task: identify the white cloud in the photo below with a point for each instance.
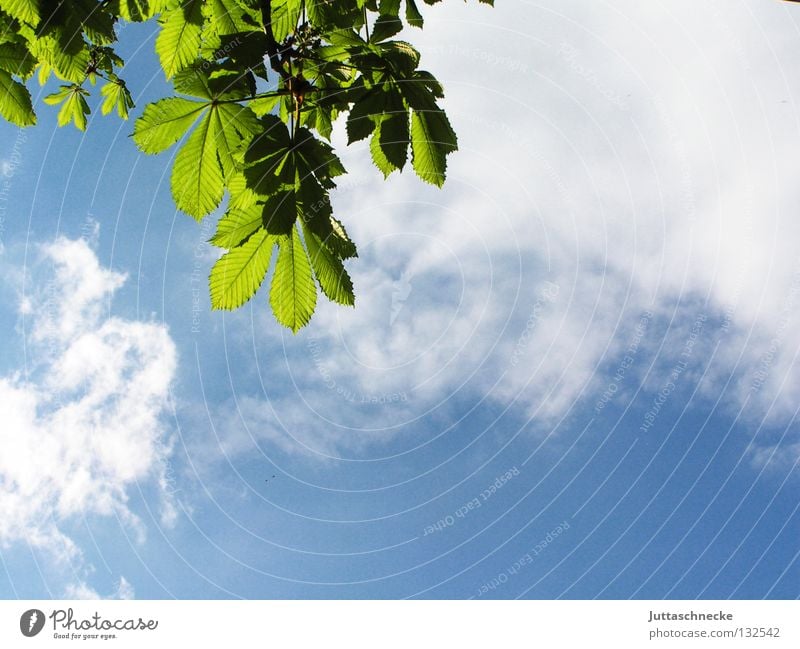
(641, 158)
(81, 590)
(682, 191)
(84, 425)
(777, 458)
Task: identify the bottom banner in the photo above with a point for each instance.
(390, 624)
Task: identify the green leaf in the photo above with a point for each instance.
(116, 95)
(213, 81)
(62, 48)
(326, 14)
(44, 73)
(16, 59)
(389, 144)
(388, 22)
(197, 182)
(74, 109)
(432, 139)
(293, 294)
(264, 105)
(178, 42)
(15, 101)
(225, 17)
(96, 23)
(164, 123)
(242, 197)
(236, 276)
(193, 80)
(230, 82)
(389, 8)
(7, 29)
(402, 56)
(139, 10)
(274, 135)
(419, 92)
(313, 201)
(244, 48)
(56, 98)
(316, 157)
(25, 10)
(269, 164)
(210, 154)
(385, 27)
(413, 16)
(347, 39)
(73, 105)
(285, 14)
(379, 157)
(320, 118)
(237, 226)
(236, 125)
(280, 212)
(279, 179)
(329, 270)
(271, 173)
(359, 122)
(394, 138)
(331, 66)
(429, 82)
(338, 241)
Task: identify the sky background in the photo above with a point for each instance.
(570, 373)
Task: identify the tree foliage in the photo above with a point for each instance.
(257, 85)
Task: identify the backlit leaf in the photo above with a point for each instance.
(196, 181)
(178, 42)
(237, 275)
(164, 123)
(15, 101)
(293, 294)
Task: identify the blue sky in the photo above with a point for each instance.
(571, 373)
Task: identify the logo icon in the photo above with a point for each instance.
(31, 622)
